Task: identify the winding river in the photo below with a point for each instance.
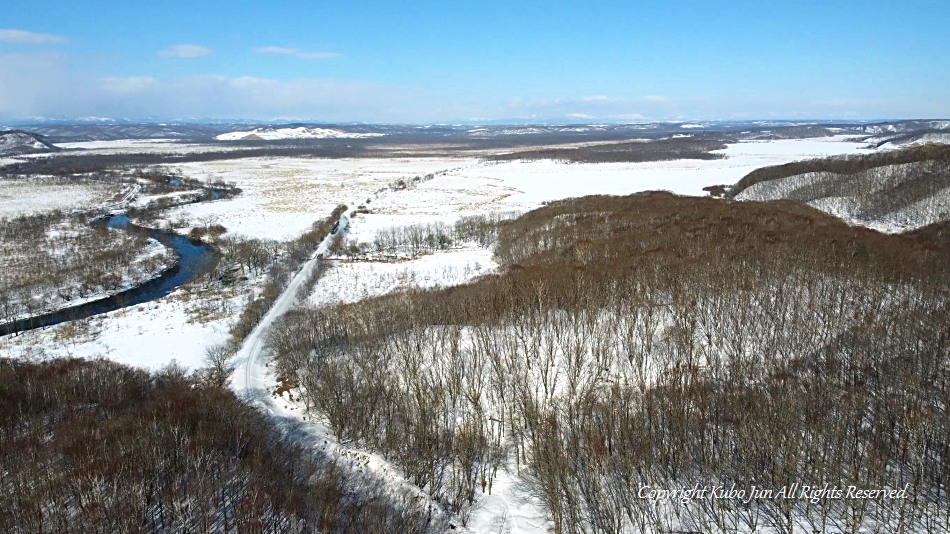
(194, 259)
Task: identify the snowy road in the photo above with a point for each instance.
(253, 381)
(250, 378)
(123, 203)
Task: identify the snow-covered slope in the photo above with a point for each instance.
(900, 141)
(14, 142)
(933, 138)
(890, 198)
(268, 134)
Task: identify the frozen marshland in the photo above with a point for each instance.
(282, 197)
(416, 219)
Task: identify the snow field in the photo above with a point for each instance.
(281, 197)
(259, 134)
(119, 144)
(545, 180)
(351, 281)
(39, 195)
(148, 335)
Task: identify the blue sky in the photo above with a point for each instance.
(447, 61)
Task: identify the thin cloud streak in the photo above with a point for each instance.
(185, 51)
(280, 50)
(597, 107)
(25, 37)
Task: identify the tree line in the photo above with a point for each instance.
(414, 240)
(625, 151)
(92, 446)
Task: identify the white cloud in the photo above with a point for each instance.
(29, 81)
(603, 99)
(845, 102)
(126, 85)
(629, 117)
(275, 50)
(597, 99)
(294, 52)
(185, 51)
(25, 37)
(46, 85)
(595, 107)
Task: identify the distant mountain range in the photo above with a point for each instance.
(897, 132)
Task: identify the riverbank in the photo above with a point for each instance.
(193, 259)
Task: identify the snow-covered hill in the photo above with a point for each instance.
(13, 142)
(914, 138)
(893, 197)
(268, 134)
(907, 126)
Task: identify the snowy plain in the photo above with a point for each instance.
(545, 180)
(39, 195)
(129, 146)
(282, 197)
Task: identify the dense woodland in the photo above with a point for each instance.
(663, 341)
(96, 447)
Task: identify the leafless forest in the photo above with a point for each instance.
(663, 341)
(97, 447)
(54, 258)
(937, 154)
